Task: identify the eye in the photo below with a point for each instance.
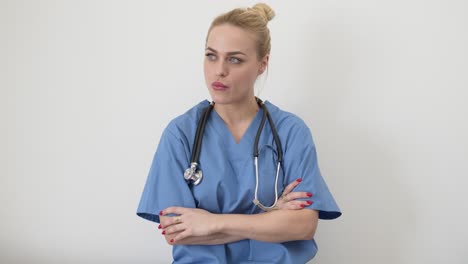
(234, 60)
(210, 56)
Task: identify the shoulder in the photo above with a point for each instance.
(187, 122)
(285, 120)
(292, 129)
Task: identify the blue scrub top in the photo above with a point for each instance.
(228, 183)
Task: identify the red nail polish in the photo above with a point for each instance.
(299, 180)
(172, 241)
(163, 232)
(159, 227)
(302, 205)
(309, 202)
(309, 194)
(161, 213)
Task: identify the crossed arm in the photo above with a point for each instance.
(200, 227)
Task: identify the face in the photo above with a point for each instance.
(231, 64)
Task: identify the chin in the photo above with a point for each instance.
(226, 98)
(220, 99)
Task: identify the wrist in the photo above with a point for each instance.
(220, 223)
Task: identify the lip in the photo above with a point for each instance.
(218, 86)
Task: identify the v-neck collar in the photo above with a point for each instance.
(247, 138)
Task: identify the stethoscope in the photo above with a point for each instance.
(194, 175)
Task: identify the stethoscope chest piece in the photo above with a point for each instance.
(193, 174)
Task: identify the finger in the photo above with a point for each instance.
(180, 236)
(291, 186)
(167, 221)
(169, 237)
(173, 210)
(176, 219)
(284, 198)
(297, 195)
(174, 229)
(296, 205)
(293, 205)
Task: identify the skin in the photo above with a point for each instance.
(174, 231)
(231, 58)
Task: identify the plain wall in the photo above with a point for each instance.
(88, 86)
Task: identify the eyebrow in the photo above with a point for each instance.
(228, 53)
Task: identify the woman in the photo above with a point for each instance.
(216, 221)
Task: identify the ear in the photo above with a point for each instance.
(263, 64)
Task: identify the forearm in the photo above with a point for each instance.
(273, 226)
(197, 226)
(214, 239)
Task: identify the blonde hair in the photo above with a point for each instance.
(254, 19)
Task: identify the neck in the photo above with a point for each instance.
(237, 113)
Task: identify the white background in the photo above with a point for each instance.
(88, 86)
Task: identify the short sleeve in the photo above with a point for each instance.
(300, 161)
(165, 185)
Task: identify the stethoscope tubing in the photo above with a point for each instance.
(195, 176)
(199, 134)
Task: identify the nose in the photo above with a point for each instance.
(221, 69)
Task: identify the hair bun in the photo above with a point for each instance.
(265, 10)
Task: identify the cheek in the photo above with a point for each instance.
(249, 75)
(206, 70)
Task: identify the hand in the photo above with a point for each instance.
(288, 198)
(188, 222)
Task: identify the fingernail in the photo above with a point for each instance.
(299, 180)
(159, 227)
(302, 205)
(309, 202)
(309, 194)
(172, 241)
(161, 213)
(163, 232)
